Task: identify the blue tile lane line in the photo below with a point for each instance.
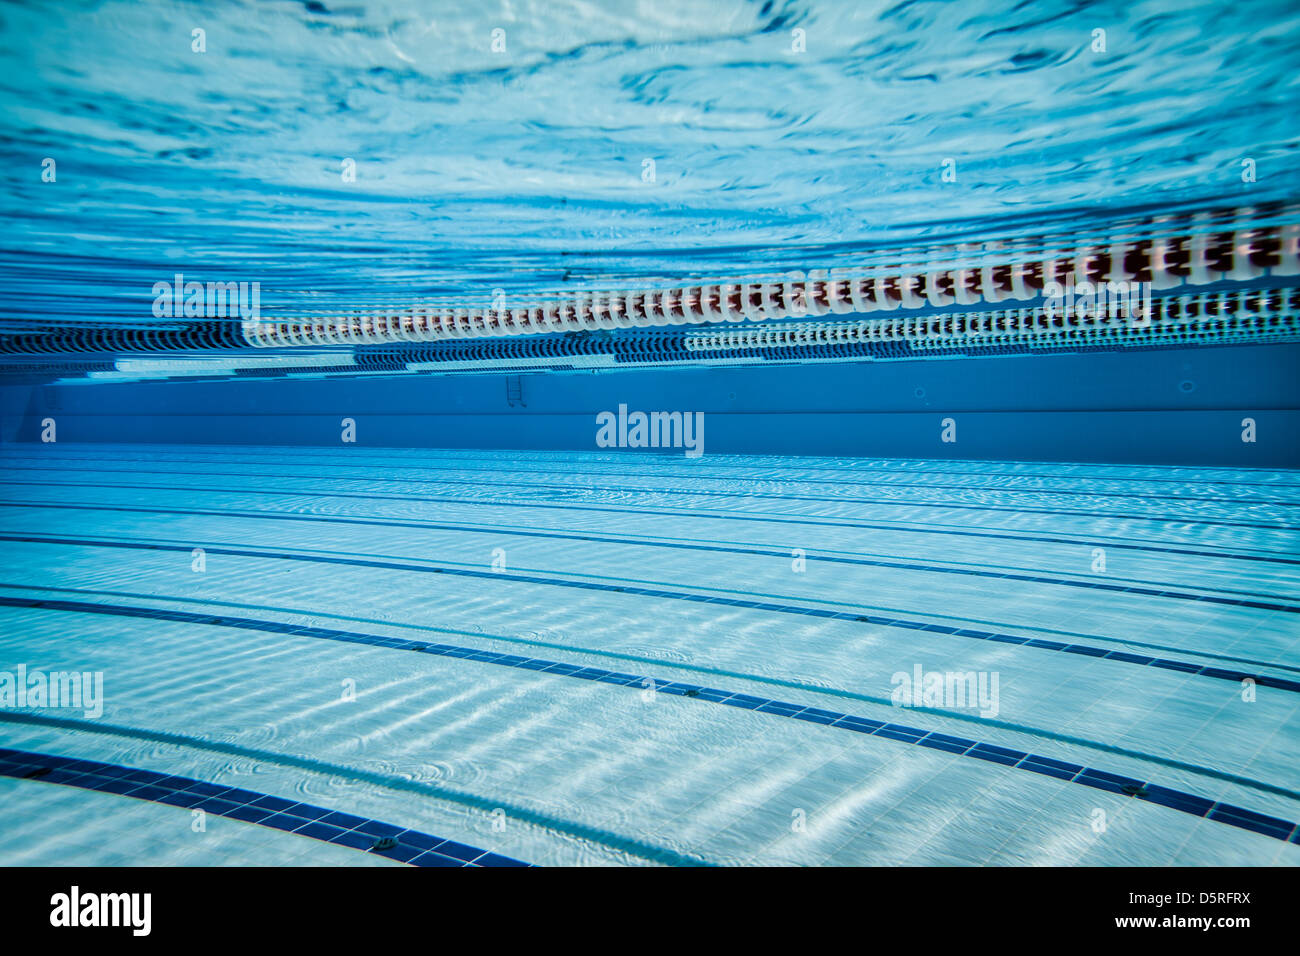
(437, 465)
(822, 521)
(50, 456)
(1140, 590)
(1075, 773)
(947, 630)
(249, 806)
(441, 481)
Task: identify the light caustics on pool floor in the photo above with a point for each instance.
(461, 657)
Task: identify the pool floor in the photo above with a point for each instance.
(362, 656)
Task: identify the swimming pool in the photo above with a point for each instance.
(564, 658)
(763, 432)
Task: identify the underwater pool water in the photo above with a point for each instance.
(325, 539)
(476, 169)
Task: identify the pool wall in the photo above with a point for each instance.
(1160, 406)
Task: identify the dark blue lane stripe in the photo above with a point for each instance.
(634, 660)
(1138, 589)
(817, 521)
(637, 489)
(1075, 773)
(852, 465)
(398, 465)
(250, 806)
(946, 630)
